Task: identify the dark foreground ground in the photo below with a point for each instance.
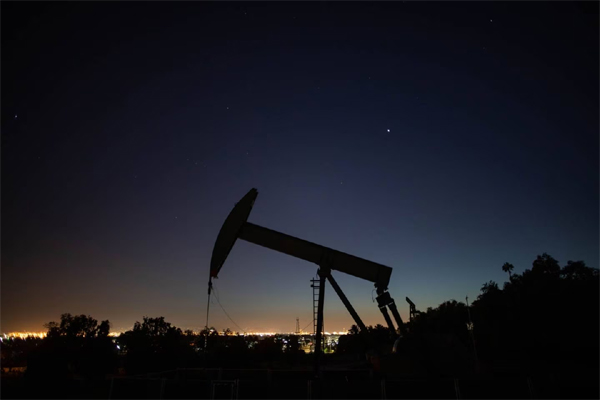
(286, 384)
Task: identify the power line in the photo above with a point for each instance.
(222, 308)
(216, 296)
(307, 325)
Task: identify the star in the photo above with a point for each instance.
(491, 20)
(15, 116)
(388, 131)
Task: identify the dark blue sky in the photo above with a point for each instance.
(129, 130)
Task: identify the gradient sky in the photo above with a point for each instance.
(129, 131)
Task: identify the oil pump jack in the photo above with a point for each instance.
(237, 226)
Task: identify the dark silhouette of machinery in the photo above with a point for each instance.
(413, 312)
(236, 226)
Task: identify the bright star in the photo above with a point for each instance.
(388, 130)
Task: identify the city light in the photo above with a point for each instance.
(24, 335)
(41, 335)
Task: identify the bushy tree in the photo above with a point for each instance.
(523, 323)
(155, 345)
(544, 318)
(76, 345)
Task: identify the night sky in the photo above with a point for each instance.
(440, 139)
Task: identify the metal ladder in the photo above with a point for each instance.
(315, 284)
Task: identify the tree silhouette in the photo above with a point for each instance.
(489, 289)
(209, 331)
(77, 326)
(545, 264)
(508, 267)
(516, 327)
(353, 330)
(75, 346)
(154, 326)
(577, 270)
(155, 345)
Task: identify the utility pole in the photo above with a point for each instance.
(297, 326)
(472, 334)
